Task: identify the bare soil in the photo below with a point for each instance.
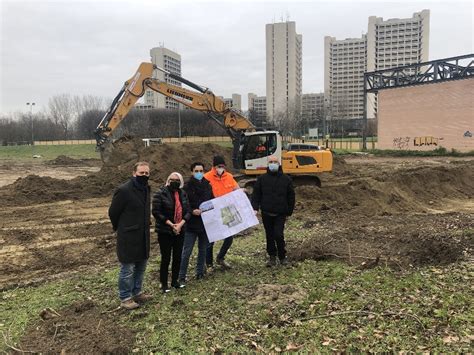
(70, 329)
(399, 212)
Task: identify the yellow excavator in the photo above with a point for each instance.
(251, 146)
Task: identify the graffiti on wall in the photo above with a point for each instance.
(468, 134)
(401, 142)
(426, 140)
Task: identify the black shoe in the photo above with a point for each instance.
(271, 261)
(224, 264)
(177, 285)
(199, 277)
(165, 289)
(284, 261)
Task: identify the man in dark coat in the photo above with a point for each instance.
(198, 190)
(129, 213)
(274, 195)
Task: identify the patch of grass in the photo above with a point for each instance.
(48, 152)
(224, 144)
(340, 308)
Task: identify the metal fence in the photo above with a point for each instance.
(333, 143)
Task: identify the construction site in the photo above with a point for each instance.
(400, 214)
(380, 246)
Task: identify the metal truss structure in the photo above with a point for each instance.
(420, 73)
(454, 68)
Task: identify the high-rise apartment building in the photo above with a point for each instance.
(234, 102)
(283, 71)
(171, 61)
(257, 106)
(387, 44)
(312, 106)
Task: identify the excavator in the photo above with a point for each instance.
(251, 146)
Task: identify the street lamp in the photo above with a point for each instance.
(31, 104)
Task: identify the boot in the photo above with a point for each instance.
(271, 261)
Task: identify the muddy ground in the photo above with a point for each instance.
(399, 212)
(68, 330)
(403, 211)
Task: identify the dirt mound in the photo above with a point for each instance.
(63, 160)
(340, 166)
(399, 241)
(163, 159)
(416, 190)
(78, 329)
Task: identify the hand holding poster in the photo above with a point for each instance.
(227, 215)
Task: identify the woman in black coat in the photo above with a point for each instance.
(171, 211)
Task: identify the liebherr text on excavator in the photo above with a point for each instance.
(251, 147)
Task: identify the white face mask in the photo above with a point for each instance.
(273, 166)
(220, 171)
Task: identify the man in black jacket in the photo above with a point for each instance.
(274, 195)
(198, 190)
(129, 213)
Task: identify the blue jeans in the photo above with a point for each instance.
(224, 248)
(131, 279)
(189, 240)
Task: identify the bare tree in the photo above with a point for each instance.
(61, 110)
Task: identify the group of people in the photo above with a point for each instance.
(179, 224)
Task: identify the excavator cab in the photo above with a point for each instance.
(256, 147)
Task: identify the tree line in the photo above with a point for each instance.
(76, 117)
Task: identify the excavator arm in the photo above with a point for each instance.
(202, 100)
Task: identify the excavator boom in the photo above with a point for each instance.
(202, 100)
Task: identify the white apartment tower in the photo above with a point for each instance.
(387, 44)
(257, 106)
(284, 71)
(312, 106)
(233, 102)
(171, 61)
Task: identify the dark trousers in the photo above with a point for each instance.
(222, 253)
(274, 226)
(170, 245)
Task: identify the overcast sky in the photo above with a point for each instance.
(92, 47)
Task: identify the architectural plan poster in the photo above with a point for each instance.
(227, 215)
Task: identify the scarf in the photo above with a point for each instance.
(178, 209)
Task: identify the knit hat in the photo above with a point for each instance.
(218, 160)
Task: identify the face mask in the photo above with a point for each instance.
(174, 185)
(273, 167)
(220, 171)
(198, 176)
(142, 179)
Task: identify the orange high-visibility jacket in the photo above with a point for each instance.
(221, 185)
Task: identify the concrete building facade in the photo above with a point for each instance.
(171, 61)
(257, 106)
(234, 102)
(283, 71)
(345, 62)
(387, 44)
(312, 105)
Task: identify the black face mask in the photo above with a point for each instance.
(142, 179)
(174, 185)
